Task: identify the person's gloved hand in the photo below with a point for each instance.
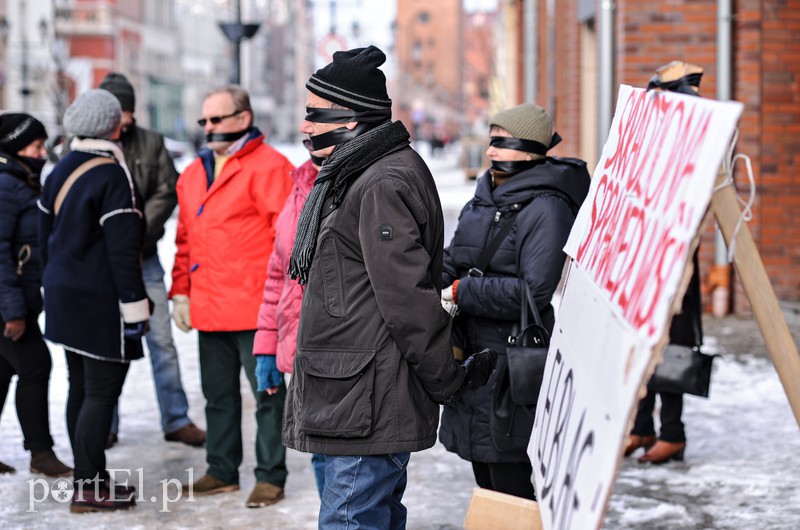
(449, 301)
(135, 330)
(180, 312)
(479, 366)
(267, 375)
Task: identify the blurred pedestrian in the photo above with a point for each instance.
(22, 350)
(539, 196)
(228, 201)
(686, 328)
(91, 230)
(155, 176)
(275, 341)
(373, 356)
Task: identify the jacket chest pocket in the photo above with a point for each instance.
(338, 390)
(332, 283)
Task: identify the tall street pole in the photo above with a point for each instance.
(236, 32)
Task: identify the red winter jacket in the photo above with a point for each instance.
(226, 232)
(279, 315)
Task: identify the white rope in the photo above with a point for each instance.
(728, 165)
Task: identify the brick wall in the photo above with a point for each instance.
(766, 79)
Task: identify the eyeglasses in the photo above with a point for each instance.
(217, 119)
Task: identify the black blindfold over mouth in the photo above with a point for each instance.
(527, 146)
(319, 115)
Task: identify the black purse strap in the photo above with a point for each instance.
(530, 303)
(520, 338)
(486, 256)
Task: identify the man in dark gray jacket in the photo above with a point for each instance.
(373, 351)
(154, 173)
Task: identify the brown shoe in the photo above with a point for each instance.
(663, 452)
(5, 468)
(189, 434)
(48, 464)
(208, 485)
(637, 441)
(264, 494)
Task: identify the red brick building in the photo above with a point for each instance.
(428, 43)
(765, 77)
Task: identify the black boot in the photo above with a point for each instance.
(91, 496)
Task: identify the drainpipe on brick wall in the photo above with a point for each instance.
(531, 50)
(720, 275)
(605, 108)
(551, 58)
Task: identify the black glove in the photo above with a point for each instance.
(135, 330)
(479, 367)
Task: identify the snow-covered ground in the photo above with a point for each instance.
(741, 471)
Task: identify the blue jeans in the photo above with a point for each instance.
(318, 464)
(163, 355)
(364, 492)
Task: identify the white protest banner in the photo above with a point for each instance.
(629, 247)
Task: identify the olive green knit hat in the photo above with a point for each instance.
(527, 122)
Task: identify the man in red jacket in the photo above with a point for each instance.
(229, 199)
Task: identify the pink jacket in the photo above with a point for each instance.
(279, 314)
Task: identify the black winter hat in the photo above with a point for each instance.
(353, 80)
(18, 130)
(119, 85)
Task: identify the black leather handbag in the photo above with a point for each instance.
(684, 370)
(516, 390)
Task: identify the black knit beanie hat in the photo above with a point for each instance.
(18, 130)
(353, 80)
(119, 85)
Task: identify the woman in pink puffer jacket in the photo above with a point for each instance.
(279, 314)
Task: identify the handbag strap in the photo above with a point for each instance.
(528, 302)
(486, 256)
(74, 176)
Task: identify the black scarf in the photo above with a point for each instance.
(345, 164)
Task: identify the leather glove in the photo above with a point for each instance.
(135, 330)
(479, 367)
(267, 374)
(448, 300)
(180, 312)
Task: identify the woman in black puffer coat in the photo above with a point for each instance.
(541, 195)
(22, 350)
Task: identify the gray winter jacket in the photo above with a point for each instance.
(374, 359)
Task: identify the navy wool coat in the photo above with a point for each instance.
(91, 258)
(20, 294)
(542, 201)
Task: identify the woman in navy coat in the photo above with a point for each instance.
(91, 229)
(22, 350)
(541, 196)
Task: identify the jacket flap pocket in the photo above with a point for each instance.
(339, 364)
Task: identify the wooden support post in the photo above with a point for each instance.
(755, 281)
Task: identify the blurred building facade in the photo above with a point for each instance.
(430, 73)
(571, 58)
(172, 51)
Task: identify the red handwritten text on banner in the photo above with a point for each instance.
(641, 212)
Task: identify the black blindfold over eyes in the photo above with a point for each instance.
(527, 146)
(318, 115)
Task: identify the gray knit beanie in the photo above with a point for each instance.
(94, 114)
(527, 122)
